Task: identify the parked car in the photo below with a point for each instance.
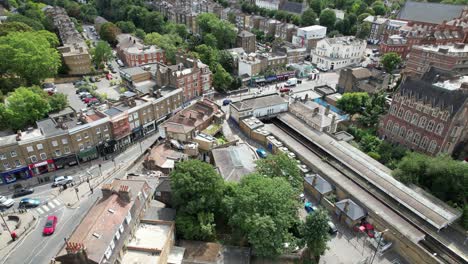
(284, 90)
(82, 90)
(109, 76)
(6, 202)
(113, 70)
(50, 225)
(62, 180)
(332, 228)
(50, 91)
(291, 82)
(92, 79)
(261, 153)
(227, 102)
(120, 63)
(22, 192)
(79, 83)
(87, 100)
(93, 101)
(365, 228)
(86, 96)
(29, 203)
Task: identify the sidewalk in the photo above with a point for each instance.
(26, 224)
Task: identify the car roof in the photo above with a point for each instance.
(29, 200)
(51, 217)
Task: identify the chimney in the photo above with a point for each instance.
(314, 181)
(333, 124)
(106, 190)
(346, 206)
(124, 193)
(327, 110)
(18, 135)
(315, 112)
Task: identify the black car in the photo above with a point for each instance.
(22, 192)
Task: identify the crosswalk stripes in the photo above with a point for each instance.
(39, 210)
(46, 208)
(52, 204)
(56, 202)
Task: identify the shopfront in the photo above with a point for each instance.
(136, 134)
(149, 128)
(16, 174)
(122, 143)
(65, 162)
(88, 154)
(106, 148)
(42, 167)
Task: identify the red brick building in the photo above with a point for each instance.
(133, 52)
(429, 115)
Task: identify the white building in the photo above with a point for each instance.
(308, 36)
(260, 107)
(336, 53)
(268, 4)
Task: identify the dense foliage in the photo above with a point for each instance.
(315, 233)
(281, 166)
(390, 61)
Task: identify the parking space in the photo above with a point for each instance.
(112, 91)
(73, 99)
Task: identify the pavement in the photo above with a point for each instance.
(69, 206)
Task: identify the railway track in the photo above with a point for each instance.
(432, 243)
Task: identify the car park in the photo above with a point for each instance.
(79, 83)
(29, 203)
(22, 192)
(92, 79)
(62, 180)
(49, 227)
(6, 202)
(93, 101)
(87, 100)
(86, 97)
(82, 90)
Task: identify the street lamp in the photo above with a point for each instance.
(378, 245)
(1, 215)
(100, 170)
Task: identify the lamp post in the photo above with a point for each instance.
(100, 170)
(1, 215)
(378, 245)
(76, 191)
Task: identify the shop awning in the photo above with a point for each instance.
(87, 153)
(260, 80)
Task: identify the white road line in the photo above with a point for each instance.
(56, 202)
(39, 210)
(45, 208)
(51, 205)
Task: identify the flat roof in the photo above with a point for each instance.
(259, 102)
(150, 235)
(139, 257)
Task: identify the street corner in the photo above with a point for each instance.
(15, 227)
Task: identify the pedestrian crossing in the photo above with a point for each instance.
(46, 208)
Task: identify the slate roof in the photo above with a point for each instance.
(259, 102)
(354, 211)
(321, 185)
(429, 12)
(293, 7)
(234, 162)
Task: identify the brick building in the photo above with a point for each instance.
(133, 52)
(429, 115)
(247, 41)
(452, 57)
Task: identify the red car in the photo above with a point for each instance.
(89, 99)
(49, 227)
(365, 227)
(109, 76)
(284, 90)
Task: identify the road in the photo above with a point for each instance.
(36, 248)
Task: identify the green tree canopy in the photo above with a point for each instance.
(390, 61)
(280, 165)
(29, 55)
(34, 24)
(315, 233)
(101, 53)
(379, 8)
(364, 30)
(309, 17)
(328, 19)
(316, 5)
(353, 103)
(223, 31)
(197, 191)
(109, 32)
(263, 210)
(57, 102)
(88, 12)
(153, 22)
(126, 26)
(9, 27)
(221, 78)
(169, 42)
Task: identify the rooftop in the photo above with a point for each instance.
(458, 48)
(351, 209)
(319, 183)
(234, 162)
(259, 102)
(150, 234)
(201, 252)
(347, 40)
(429, 12)
(312, 28)
(164, 156)
(245, 33)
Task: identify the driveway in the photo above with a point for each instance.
(73, 100)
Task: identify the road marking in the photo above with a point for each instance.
(39, 210)
(45, 208)
(56, 202)
(51, 205)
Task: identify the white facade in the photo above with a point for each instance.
(250, 65)
(268, 4)
(271, 110)
(336, 53)
(306, 33)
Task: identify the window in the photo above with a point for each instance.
(416, 138)
(98, 130)
(393, 110)
(6, 165)
(66, 150)
(445, 115)
(54, 143)
(78, 138)
(39, 146)
(58, 153)
(29, 148)
(424, 143)
(432, 146)
(33, 158)
(439, 129)
(414, 119)
(400, 113)
(17, 163)
(43, 156)
(2, 156)
(64, 141)
(81, 146)
(430, 125)
(130, 118)
(107, 136)
(396, 128)
(402, 132)
(408, 116)
(422, 122)
(105, 128)
(13, 154)
(85, 135)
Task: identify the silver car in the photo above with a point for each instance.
(62, 180)
(6, 202)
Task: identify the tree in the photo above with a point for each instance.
(280, 165)
(210, 40)
(328, 19)
(364, 30)
(29, 55)
(101, 53)
(34, 24)
(168, 42)
(221, 78)
(316, 6)
(315, 233)
(390, 61)
(140, 33)
(227, 61)
(9, 27)
(379, 8)
(353, 103)
(126, 26)
(153, 22)
(25, 106)
(263, 210)
(223, 31)
(208, 55)
(375, 107)
(197, 191)
(309, 17)
(57, 102)
(88, 13)
(109, 32)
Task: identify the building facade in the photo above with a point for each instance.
(309, 36)
(133, 52)
(429, 115)
(336, 53)
(247, 41)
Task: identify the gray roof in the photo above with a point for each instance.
(112, 111)
(133, 70)
(236, 255)
(234, 162)
(429, 12)
(259, 102)
(354, 211)
(321, 185)
(293, 7)
(164, 185)
(159, 213)
(49, 128)
(245, 33)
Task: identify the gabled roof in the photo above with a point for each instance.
(429, 12)
(321, 185)
(234, 162)
(353, 211)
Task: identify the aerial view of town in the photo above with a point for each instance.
(234, 131)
